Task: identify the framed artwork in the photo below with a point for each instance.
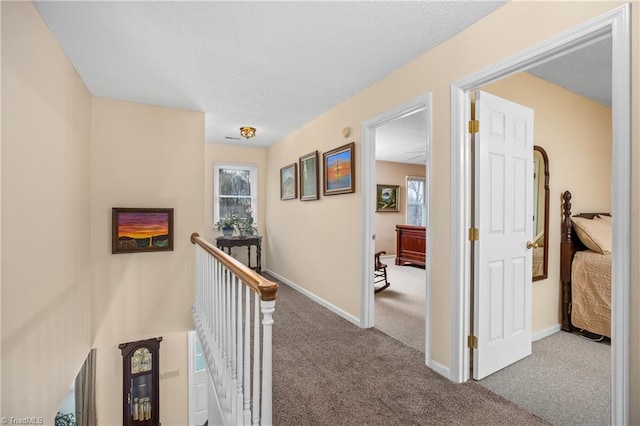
(387, 198)
(309, 185)
(136, 230)
(288, 182)
(339, 170)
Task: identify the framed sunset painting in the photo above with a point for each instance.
(136, 230)
(339, 170)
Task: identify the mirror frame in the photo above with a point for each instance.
(545, 261)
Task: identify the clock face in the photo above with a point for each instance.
(141, 361)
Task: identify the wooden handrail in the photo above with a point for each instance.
(266, 289)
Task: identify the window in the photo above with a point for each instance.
(416, 201)
(234, 190)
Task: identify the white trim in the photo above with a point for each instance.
(333, 308)
(191, 336)
(545, 333)
(253, 169)
(615, 24)
(368, 207)
(440, 369)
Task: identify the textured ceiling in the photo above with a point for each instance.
(271, 65)
(403, 140)
(586, 71)
(277, 65)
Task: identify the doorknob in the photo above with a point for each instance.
(531, 245)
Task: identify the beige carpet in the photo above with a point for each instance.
(399, 310)
(327, 371)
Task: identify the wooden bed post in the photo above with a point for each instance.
(566, 256)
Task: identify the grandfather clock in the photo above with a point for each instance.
(140, 386)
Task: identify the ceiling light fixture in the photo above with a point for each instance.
(247, 132)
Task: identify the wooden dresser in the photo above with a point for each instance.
(411, 245)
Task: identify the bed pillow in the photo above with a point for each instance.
(604, 217)
(595, 234)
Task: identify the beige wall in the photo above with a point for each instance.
(222, 153)
(576, 134)
(46, 321)
(390, 173)
(144, 156)
(340, 244)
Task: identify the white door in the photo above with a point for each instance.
(504, 217)
(198, 412)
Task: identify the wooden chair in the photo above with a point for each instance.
(380, 273)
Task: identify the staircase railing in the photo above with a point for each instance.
(231, 300)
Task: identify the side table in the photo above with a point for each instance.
(243, 241)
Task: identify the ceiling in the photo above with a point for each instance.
(272, 65)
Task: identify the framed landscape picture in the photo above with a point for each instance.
(288, 182)
(339, 170)
(136, 230)
(387, 198)
(309, 187)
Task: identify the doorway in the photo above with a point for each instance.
(421, 104)
(615, 25)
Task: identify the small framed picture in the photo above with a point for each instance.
(387, 198)
(309, 187)
(289, 182)
(339, 170)
(137, 230)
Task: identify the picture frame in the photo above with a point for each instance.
(289, 182)
(309, 177)
(387, 198)
(339, 170)
(139, 230)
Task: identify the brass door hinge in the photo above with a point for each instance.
(472, 342)
(474, 234)
(474, 126)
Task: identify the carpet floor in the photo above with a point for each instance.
(566, 380)
(399, 310)
(328, 371)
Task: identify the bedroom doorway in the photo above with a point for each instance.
(615, 25)
(416, 115)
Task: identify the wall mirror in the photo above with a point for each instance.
(540, 214)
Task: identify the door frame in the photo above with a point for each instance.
(614, 24)
(422, 102)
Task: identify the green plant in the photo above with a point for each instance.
(65, 419)
(231, 221)
(246, 226)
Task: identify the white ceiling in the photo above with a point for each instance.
(275, 65)
(271, 65)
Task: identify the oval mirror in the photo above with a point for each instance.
(540, 214)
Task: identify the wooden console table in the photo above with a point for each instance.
(248, 241)
(411, 245)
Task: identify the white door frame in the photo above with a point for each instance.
(368, 207)
(614, 24)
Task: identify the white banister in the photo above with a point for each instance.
(228, 322)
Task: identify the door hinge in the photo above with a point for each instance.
(474, 234)
(474, 126)
(472, 342)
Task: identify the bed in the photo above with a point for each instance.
(585, 270)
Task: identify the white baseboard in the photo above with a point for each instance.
(439, 368)
(333, 308)
(545, 333)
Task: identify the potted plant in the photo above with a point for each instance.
(228, 224)
(246, 226)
